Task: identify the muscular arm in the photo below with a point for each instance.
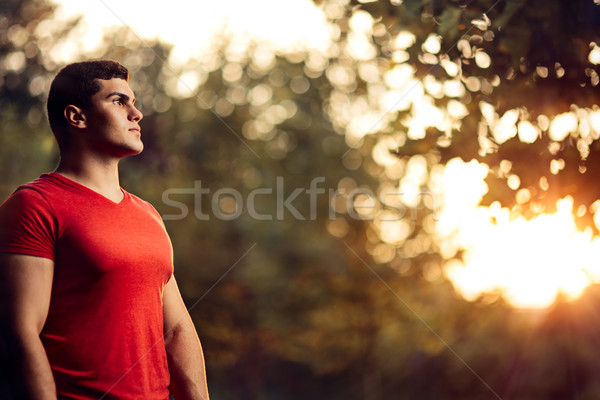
(25, 287)
(184, 353)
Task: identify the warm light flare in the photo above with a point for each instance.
(594, 56)
(195, 28)
(528, 261)
(562, 125)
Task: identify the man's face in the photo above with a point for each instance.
(112, 120)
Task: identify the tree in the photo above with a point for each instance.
(525, 67)
(25, 44)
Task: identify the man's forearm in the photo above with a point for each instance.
(26, 363)
(186, 363)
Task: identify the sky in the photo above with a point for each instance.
(192, 26)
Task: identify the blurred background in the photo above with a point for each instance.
(450, 248)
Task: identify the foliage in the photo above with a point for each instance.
(539, 66)
(24, 74)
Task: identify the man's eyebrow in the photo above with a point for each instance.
(121, 95)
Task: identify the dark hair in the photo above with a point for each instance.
(75, 84)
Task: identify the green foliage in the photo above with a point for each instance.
(26, 145)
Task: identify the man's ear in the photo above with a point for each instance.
(75, 116)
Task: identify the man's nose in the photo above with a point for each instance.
(136, 115)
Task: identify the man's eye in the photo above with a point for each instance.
(118, 101)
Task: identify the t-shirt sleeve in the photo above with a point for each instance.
(27, 225)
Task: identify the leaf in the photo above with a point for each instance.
(512, 6)
(517, 40)
(449, 21)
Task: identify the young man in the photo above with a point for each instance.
(89, 308)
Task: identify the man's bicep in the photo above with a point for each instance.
(174, 309)
(25, 288)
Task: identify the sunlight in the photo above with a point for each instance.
(194, 27)
(594, 56)
(562, 125)
(528, 262)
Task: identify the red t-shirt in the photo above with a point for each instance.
(104, 331)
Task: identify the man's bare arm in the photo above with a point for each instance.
(25, 287)
(184, 352)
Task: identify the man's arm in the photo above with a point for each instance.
(25, 287)
(184, 353)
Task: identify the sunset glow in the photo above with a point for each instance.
(528, 262)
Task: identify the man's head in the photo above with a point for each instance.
(75, 85)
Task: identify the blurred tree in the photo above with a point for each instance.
(526, 72)
(26, 147)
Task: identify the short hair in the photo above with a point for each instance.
(75, 84)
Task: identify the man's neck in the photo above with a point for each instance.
(101, 177)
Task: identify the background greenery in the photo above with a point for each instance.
(296, 309)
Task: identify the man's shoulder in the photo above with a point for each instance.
(41, 188)
(45, 183)
(33, 197)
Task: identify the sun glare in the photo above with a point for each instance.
(194, 28)
(528, 262)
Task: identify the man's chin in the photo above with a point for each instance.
(133, 151)
(140, 149)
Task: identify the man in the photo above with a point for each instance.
(88, 304)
